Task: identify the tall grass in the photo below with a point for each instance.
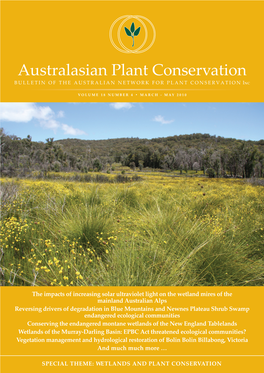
(156, 232)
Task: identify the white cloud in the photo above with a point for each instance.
(161, 120)
(121, 105)
(25, 112)
(51, 124)
(60, 114)
(68, 130)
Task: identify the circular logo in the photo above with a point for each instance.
(132, 34)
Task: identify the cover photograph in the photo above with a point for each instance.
(131, 185)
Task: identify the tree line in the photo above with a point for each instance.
(216, 156)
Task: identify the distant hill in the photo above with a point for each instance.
(188, 152)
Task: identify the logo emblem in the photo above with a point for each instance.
(132, 32)
(139, 28)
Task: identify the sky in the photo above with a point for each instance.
(95, 121)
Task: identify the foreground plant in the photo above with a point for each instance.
(161, 231)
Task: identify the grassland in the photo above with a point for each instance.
(157, 231)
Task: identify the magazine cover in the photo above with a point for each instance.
(132, 186)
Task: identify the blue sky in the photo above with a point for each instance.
(96, 121)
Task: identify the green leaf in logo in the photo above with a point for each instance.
(127, 32)
(132, 31)
(132, 28)
(137, 32)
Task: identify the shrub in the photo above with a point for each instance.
(210, 172)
